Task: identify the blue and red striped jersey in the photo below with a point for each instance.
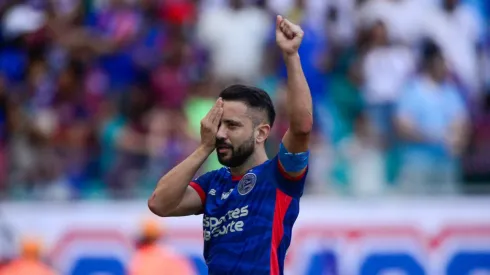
(248, 220)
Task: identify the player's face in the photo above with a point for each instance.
(235, 140)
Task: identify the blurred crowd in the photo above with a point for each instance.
(99, 98)
(152, 253)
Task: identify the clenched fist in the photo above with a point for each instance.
(210, 124)
(288, 36)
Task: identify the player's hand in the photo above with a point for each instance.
(210, 124)
(288, 36)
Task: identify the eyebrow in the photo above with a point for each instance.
(232, 122)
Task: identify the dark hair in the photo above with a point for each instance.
(430, 51)
(253, 97)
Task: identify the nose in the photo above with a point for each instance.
(221, 134)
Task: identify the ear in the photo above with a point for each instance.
(262, 133)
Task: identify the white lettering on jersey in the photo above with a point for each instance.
(214, 227)
(212, 192)
(225, 195)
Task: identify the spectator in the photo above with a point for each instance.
(364, 161)
(385, 68)
(235, 37)
(169, 141)
(270, 81)
(322, 160)
(151, 258)
(72, 126)
(115, 30)
(4, 130)
(182, 12)
(340, 25)
(171, 79)
(345, 94)
(100, 96)
(29, 262)
(457, 28)
(125, 143)
(403, 18)
(432, 121)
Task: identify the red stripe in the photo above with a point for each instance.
(288, 176)
(236, 178)
(282, 203)
(199, 191)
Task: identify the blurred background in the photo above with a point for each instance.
(100, 98)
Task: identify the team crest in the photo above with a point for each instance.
(247, 183)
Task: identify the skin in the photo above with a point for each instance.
(238, 134)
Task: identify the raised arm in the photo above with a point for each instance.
(299, 103)
(174, 196)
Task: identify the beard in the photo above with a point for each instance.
(235, 157)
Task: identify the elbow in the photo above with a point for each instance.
(303, 131)
(302, 127)
(156, 208)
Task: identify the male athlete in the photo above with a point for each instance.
(251, 205)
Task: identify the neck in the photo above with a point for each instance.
(255, 159)
(434, 79)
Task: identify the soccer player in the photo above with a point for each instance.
(251, 205)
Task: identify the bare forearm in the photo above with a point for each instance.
(459, 136)
(299, 103)
(171, 187)
(408, 132)
(462, 129)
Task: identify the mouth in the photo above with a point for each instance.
(223, 149)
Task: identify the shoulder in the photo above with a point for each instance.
(260, 172)
(451, 88)
(411, 89)
(414, 84)
(212, 176)
(213, 172)
(267, 165)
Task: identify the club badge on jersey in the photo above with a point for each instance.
(247, 183)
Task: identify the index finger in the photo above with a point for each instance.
(293, 27)
(215, 117)
(218, 104)
(278, 21)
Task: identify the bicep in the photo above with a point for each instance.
(191, 204)
(296, 143)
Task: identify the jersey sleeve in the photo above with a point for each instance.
(286, 162)
(201, 185)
